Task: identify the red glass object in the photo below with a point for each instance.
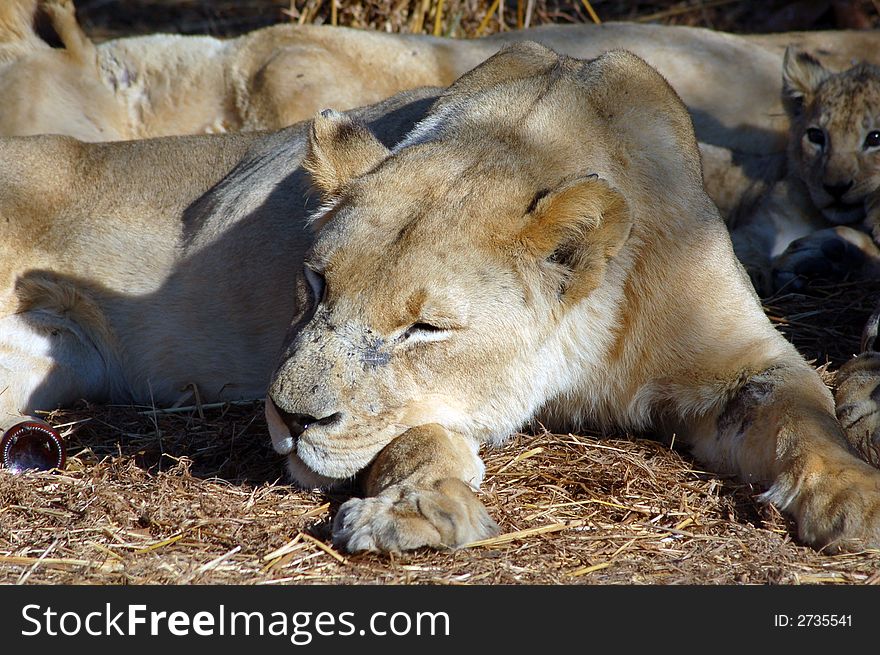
(32, 445)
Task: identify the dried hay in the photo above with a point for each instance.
(461, 18)
(194, 496)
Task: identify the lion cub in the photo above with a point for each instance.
(821, 219)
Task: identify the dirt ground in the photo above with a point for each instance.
(196, 495)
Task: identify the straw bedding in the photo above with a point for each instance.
(196, 495)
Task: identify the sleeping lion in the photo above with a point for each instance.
(533, 243)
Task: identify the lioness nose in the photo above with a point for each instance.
(836, 191)
(299, 423)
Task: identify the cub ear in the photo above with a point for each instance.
(339, 150)
(801, 76)
(574, 230)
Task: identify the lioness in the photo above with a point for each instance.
(539, 246)
(822, 218)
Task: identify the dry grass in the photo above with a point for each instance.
(154, 497)
(462, 18)
(195, 496)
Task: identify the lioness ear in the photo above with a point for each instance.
(575, 229)
(339, 150)
(801, 76)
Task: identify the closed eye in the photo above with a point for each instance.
(317, 284)
(423, 331)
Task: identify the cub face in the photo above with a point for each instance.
(834, 145)
(434, 285)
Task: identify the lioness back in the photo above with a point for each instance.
(132, 271)
(163, 84)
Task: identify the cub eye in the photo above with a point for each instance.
(317, 283)
(816, 136)
(872, 140)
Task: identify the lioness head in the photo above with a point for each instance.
(442, 270)
(835, 133)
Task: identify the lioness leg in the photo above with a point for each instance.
(780, 429)
(44, 363)
(419, 494)
(53, 348)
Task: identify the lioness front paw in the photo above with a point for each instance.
(404, 517)
(857, 402)
(843, 513)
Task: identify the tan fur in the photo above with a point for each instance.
(100, 269)
(857, 407)
(168, 84)
(76, 44)
(578, 212)
(813, 222)
(53, 91)
(421, 490)
(858, 394)
(330, 167)
(17, 36)
(441, 317)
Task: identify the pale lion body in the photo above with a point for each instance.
(167, 84)
(121, 287)
(437, 314)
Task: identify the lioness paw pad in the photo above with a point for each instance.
(405, 517)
